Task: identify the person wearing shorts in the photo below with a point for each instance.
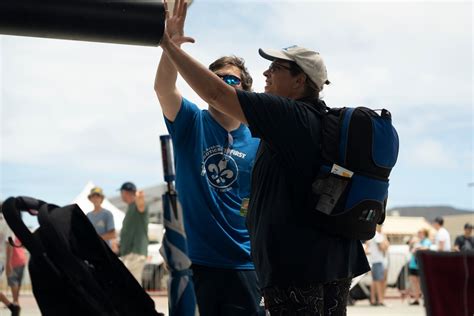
(422, 242)
(15, 278)
(378, 271)
(377, 248)
(16, 261)
(4, 247)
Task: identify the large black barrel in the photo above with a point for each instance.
(133, 22)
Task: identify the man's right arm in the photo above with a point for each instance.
(165, 88)
(165, 81)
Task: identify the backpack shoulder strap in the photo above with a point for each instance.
(11, 211)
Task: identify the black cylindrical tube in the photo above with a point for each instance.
(133, 22)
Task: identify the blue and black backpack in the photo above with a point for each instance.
(359, 150)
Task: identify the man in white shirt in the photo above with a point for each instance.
(442, 238)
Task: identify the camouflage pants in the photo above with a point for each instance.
(329, 299)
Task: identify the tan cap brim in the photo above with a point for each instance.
(272, 54)
(90, 195)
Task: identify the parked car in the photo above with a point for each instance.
(397, 274)
(154, 270)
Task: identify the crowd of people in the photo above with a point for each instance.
(437, 239)
(210, 277)
(132, 246)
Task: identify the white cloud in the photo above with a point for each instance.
(430, 153)
(399, 53)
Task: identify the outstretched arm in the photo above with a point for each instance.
(166, 74)
(205, 83)
(140, 201)
(8, 264)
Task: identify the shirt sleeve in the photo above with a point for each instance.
(110, 222)
(426, 243)
(379, 238)
(458, 241)
(286, 125)
(184, 121)
(443, 236)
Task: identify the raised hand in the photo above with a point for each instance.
(175, 22)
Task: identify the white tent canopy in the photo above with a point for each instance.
(83, 201)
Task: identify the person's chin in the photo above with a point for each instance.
(271, 91)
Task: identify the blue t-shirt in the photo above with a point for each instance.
(213, 169)
(425, 243)
(103, 221)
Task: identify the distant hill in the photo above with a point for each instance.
(428, 212)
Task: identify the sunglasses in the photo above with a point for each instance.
(277, 66)
(231, 80)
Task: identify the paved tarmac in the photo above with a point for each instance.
(395, 307)
(30, 308)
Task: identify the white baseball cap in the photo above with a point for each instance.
(309, 61)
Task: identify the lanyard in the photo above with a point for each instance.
(227, 147)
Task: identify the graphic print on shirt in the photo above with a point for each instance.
(220, 169)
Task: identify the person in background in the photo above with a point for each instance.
(214, 156)
(420, 242)
(465, 242)
(16, 262)
(442, 237)
(377, 248)
(134, 232)
(4, 233)
(102, 219)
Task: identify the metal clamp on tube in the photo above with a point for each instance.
(167, 157)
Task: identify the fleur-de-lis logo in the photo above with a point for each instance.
(220, 174)
(221, 171)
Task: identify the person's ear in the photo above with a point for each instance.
(300, 80)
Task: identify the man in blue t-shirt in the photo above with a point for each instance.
(102, 219)
(214, 154)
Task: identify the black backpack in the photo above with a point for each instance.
(359, 149)
(72, 270)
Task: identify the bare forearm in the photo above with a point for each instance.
(441, 246)
(140, 201)
(166, 75)
(9, 253)
(165, 88)
(205, 83)
(109, 235)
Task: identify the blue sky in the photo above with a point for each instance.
(77, 111)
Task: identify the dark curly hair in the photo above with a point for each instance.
(237, 62)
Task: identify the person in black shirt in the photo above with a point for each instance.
(465, 242)
(302, 270)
